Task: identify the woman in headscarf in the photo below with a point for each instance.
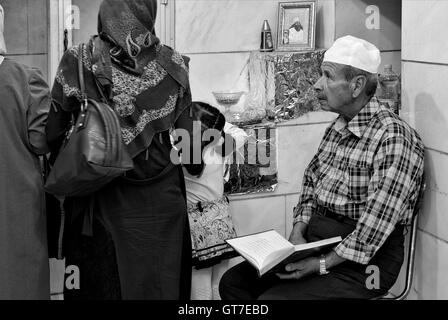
(24, 106)
(144, 212)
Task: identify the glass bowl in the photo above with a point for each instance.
(227, 99)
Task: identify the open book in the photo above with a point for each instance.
(270, 251)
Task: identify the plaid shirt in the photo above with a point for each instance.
(368, 169)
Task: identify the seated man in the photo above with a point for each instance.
(362, 184)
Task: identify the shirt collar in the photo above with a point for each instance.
(1, 59)
(359, 123)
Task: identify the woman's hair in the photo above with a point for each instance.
(211, 119)
(209, 116)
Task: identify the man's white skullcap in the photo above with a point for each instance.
(354, 52)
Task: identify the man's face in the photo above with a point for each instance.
(333, 90)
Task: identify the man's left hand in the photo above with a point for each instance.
(300, 269)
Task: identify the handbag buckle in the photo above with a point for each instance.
(83, 115)
(84, 105)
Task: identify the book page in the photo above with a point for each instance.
(317, 244)
(262, 246)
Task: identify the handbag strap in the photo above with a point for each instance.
(82, 84)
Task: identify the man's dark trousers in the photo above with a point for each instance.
(345, 281)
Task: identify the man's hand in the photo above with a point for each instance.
(300, 269)
(297, 233)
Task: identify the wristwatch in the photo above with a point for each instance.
(322, 266)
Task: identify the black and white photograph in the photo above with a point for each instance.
(296, 26)
(223, 155)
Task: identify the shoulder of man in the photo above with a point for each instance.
(394, 126)
(23, 71)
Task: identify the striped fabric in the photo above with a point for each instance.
(368, 169)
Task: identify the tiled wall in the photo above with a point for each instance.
(425, 74)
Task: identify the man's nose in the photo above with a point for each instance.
(318, 85)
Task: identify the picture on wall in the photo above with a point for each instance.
(296, 30)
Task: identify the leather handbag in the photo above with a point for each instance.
(93, 154)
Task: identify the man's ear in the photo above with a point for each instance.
(358, 85)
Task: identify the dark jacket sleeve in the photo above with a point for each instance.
(63, 108)
(37, 114)
(58, 124)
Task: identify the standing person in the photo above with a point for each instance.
(362, 185)
(134, 229)
(25, 103)
(208, 208)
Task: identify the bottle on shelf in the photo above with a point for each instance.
(389, 88)
(267, 44)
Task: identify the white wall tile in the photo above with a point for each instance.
(296, 147)
(235, 25)
(436, 171)
(434, 218)
(431, 281)
(225, 25)
(255, 215)
(316, 117)
(325, 23)
(291, 202)
(424, 100)
(424, 24)
(215, 72)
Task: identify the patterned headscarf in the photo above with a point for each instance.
(2, 29)
(129, 28)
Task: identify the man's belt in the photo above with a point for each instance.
(330, 214)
